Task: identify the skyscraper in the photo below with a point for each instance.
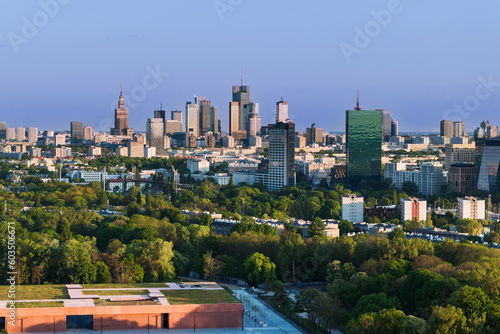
(76, 132)
(88, 133)
(10, 134)
(32, 135)
(281, 111)
(192, 117)
(446, 128)
(254, 121)
(176, 115)
(239, 111)
(280, 170)
(386, 125)
(20, 134)
(121, 119)
(154, 134)
(488, 165)
(3, 130)
(160, 113)
(394, 128)
(458, 129)
(205, 119)
(314, 135)
(364, 145)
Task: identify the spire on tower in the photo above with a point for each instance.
(121, 103)
(357, 103)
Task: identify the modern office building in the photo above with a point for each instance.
(192, 117)
(3, 130)
(160, 114)
(88, 133)
(20, 134)
(314, 135)
(281, 111)
(172, 126)
(386, 125)
(76, 132)
(488, 165)
(394, 128)
(458, 129)
(352, 208)
(121, 119)
(240, 111)
(471, 208)
(446, 128)
(432, 178)
(280, 171)
(59, 139)
(253, 120)
(135, 149)
(32, 135)
(413, 208)
(460, 153)
(176, 115)
(155, 133)
(364, 145)
(462, 178)
(204, 118)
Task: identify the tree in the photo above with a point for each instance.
(138, 198)
(396, 234)
(166, 187)
(410, 188)
(173, 190)
(211, 266)
(231, 182)
(470, 299)
(446, 320)
(148, 199)
(259, 269)
(345, 226)
(317, 227)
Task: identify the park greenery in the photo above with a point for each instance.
(372, 283)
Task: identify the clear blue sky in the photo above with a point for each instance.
(417, 65)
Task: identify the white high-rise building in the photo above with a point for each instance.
(20, 134)
(32, 135)
(193, 118)
(471, 208)
(59, 139)
(10, 134)
(281, 111)
(413, 208)
(432, 178)
(352, 208)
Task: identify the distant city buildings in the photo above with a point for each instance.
(486, 131)
(77, 135)
(281, 111)
(314, 135)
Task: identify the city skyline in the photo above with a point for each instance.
(435, 62)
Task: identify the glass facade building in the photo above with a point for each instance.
(364, 146)
(488, 164)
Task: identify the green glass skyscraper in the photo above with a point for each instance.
(364, 145)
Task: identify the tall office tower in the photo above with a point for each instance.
(281, 111)
(76, 132)
(364, 145)
(446, 128)
(135, 149)
(160, 114)
(176, 115)
(214, 120)
(432, 178)
(20, 134)
(155, 133)
(238, 112)
(205, 117)
(314, 135)
(3, 131)
(461, 178)
(209, 139)
(488, 165)
(281, 168)
(192, 118)
(10, 134)
(172, 126)
(458, 129)
(32, 135)
(394, 128)
(386, 125)
(121, 119)
(88, 133)
(254, 121)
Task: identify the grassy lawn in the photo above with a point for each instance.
(125, 285)
(105, 302)
(40, 304)
(176, 297)
(30, 292)
(115, 292)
